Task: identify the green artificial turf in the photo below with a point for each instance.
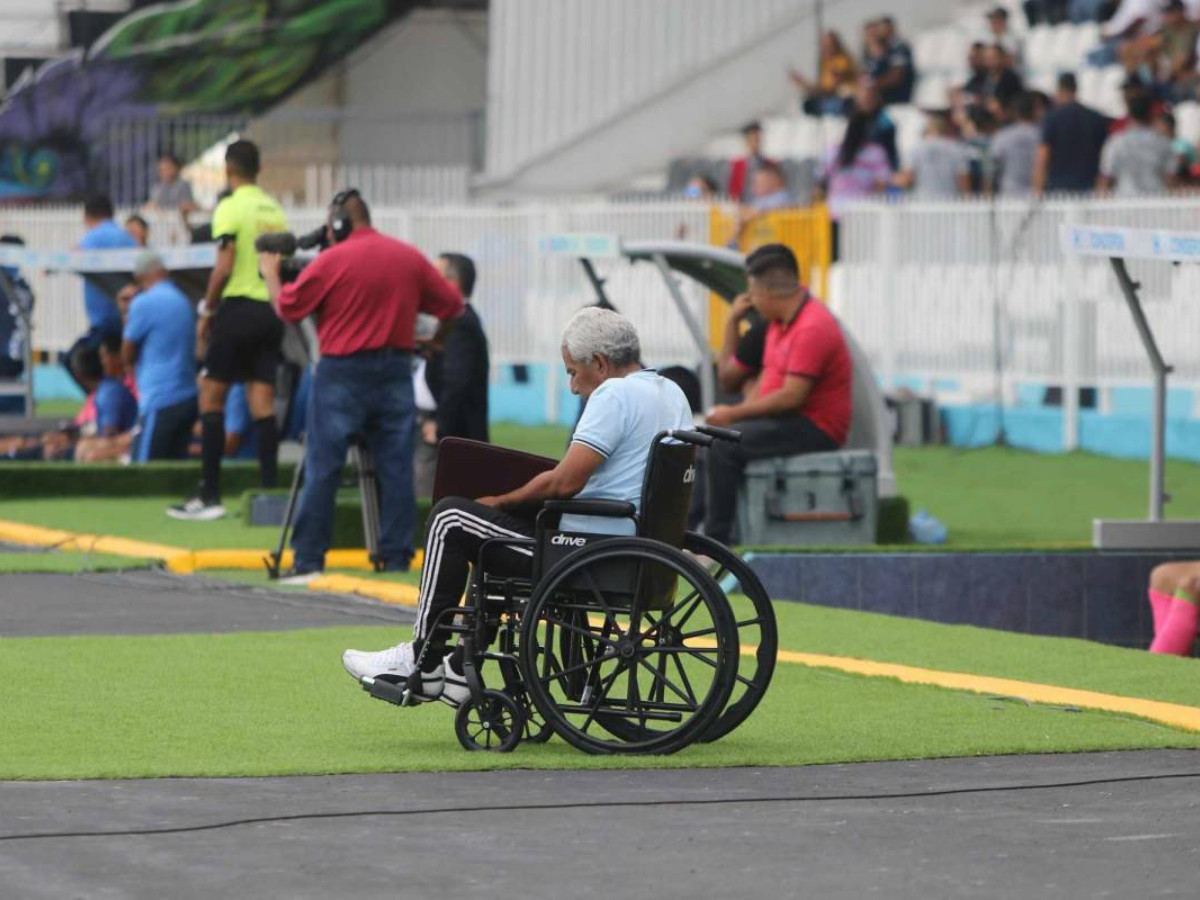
(67, 562)
(57, 409)
(183, 705)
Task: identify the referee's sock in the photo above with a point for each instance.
(212, 448)
(267, 432)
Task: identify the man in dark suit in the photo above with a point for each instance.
(458, 375)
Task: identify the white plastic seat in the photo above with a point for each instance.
(1091, 86)
(1187, 121)
(777, 136)
(1062, 49)
(1109, 100)
(727, 146)
(932, 92)
(1039, 53)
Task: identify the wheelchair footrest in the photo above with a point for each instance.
(391, 691)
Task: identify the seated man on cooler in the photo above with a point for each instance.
(802, 403)
(627, 406)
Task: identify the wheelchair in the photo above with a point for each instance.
(617, 644)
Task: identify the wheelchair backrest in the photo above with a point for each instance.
(666, 497)
(667, 492)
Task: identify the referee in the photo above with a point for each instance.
(238, 334)
(365, 291)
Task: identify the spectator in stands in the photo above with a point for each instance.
(1068, 159)
(1014, 148)
(139, 230)
(1139, 160)
(1000, 33)
(102, 234)
(1174, 595)
(940, 165)
(1170, 53)
(974, 89)
(160, 347)
(769, 193)
(857, 168)
(881, 129)
(890, 63)
(1186, 154)
(1055, 12)
(172, 191)
(978, 128)
(1003, 85)
(701, 187)
(1131, 20)
(837, 77)
(803, 400)
(741, 171)
(1132, 87)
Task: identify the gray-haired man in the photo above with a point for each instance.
(627, 406)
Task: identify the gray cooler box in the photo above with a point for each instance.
(822, 499)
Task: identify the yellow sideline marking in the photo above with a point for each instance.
(388, 591)
(177, 559)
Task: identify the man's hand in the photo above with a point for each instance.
(125, 298)
(269, 263)
(741, 307)
(429, 431)
(722, 416)
(492, 502)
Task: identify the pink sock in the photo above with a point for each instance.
(1160, 608)
(1179, 630)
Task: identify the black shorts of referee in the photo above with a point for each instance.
(245, 343)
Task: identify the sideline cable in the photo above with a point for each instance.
(604, 804)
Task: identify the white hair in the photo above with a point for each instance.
(596, 332)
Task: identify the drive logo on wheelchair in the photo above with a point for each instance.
(689, 476)
(566, 540)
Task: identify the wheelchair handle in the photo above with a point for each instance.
(691, 437)
(721, 434)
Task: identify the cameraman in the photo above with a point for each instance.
(365, 291)
(238, 335)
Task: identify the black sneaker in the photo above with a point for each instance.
(197, 509)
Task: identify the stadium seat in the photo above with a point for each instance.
(727, 146)
(1091, 86)
(932, 92)
(1063, 49)
(1109, 100)
(1187, 120)
(777, 136)
(1039, 54)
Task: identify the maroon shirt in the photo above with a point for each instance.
(366, 293)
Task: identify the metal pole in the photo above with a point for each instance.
(1129, 288)
(708, 384)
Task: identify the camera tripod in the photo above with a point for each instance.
(368, 487)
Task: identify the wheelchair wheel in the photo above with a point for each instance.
(495, 724)
(758, 636)
(610, 674)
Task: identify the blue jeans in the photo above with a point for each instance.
(369, 394)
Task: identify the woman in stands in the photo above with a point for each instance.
(858, 168)
(836, 80)
(1174, 595)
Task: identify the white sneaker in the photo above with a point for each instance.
(196, 509)
(302, 579)
(455, 692)
(396, 664)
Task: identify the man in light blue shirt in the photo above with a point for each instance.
(627, 406)
(160, 348)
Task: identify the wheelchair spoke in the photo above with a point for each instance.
(587, 664)
(687, 682)
(695, 606)
(695, 634)
(601, 692)
(667, 681)
(608, 613)
(586, 632)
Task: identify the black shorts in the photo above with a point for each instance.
(165, 433)
(245, 342)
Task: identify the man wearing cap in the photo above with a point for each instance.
(159, 347)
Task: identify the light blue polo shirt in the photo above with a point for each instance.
(162, 324)
(620, 420)
(102, 310)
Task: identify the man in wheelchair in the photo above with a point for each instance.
(627, 405)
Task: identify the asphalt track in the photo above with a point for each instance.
(1087, 825)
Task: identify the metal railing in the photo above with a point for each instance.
(974, 301)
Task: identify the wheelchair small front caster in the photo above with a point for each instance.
(494, 724)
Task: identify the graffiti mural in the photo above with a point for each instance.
(184, 58)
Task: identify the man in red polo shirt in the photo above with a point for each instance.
(803, 400)
(365, 292)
